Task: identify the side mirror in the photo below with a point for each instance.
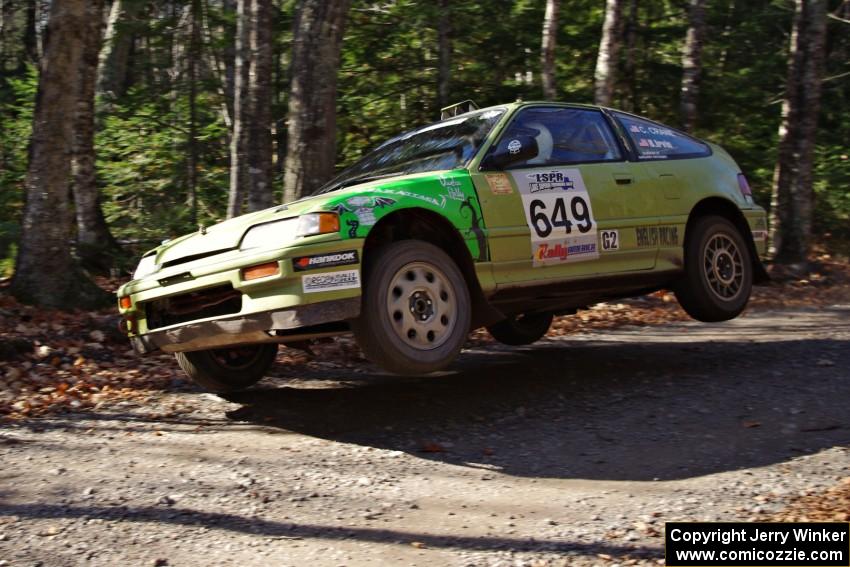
(511, 150)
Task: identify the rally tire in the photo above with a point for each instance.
(718, 276)
(415, 313)
(522, 329)
(230, 369)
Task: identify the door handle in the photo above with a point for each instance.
(623, 178)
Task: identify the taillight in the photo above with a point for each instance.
(744, 186)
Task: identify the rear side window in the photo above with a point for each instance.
(656, 141)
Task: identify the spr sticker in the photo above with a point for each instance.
(331, 281)
(500, 184)
(610, 240)
(559, 215)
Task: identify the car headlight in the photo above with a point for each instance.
(146, 267)
(317, 223)
(278, 232)
(285, 231)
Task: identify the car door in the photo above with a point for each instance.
(575, 209)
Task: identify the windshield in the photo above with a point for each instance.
(449, 144)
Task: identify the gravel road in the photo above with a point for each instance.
(574, 451)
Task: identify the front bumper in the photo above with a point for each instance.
(255, 308)
(245, 329)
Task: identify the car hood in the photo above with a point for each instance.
(227, 235)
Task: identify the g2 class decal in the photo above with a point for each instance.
(558, 212)
(610, 240)
(325, 260)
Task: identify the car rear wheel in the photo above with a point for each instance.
(415, 314)
(718, 275)
(228, 369)
(522, 329)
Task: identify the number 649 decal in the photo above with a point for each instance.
(545, 220)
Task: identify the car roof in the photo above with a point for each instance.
(522, 104)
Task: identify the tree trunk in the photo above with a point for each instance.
(547, 50)
(94, 241)
(31, 47)
(793, 196)
(260, 190)
(311, 127)
(193, 56)
(630, 34)
(605, 76)
(692, 64)
(444, 45)
(45, 271)
(114, 58)
(241, 109)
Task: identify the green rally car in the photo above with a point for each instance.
(500, 217)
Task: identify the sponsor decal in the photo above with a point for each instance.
(325, 260)
(453, 188)
(514, 146)
(559, 215)
(759, 235)
(651, 236)
(610, 240)
(500, 183)
(561, 253)
(331, 281)
(549, 181)
(363, 207)
(439, 201)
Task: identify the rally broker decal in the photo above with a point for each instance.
(559, 215)
(325, 260)
(331, 281)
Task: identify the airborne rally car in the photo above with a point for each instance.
(501, 217)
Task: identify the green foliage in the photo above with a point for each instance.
(388, 82)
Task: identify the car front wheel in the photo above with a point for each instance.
(415, 314)
(718, 275)
(228, 369)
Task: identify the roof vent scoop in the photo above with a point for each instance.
(456, 109)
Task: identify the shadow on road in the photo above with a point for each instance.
(618, 410)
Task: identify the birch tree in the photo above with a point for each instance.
(692, 64)
(45, 271)
(94, 241)
(311, 132)
(547, 49)
(251, 146)
(605, 76)
(793, 197)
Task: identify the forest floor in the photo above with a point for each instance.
(573, 451)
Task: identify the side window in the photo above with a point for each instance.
(564, 136)
(656, 141)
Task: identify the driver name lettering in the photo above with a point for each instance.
(655, 236)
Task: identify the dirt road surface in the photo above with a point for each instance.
(574, 451)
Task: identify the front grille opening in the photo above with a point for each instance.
(210, 302)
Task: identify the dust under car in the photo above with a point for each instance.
(499, 217)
